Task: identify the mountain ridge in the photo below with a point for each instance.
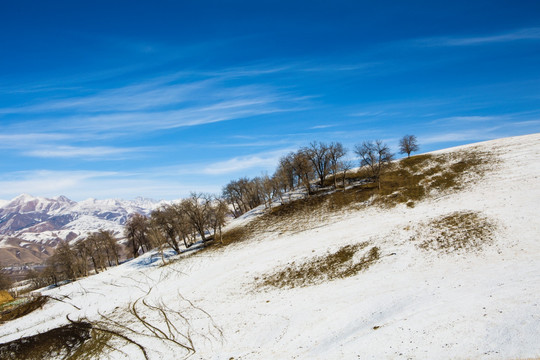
(31, 226)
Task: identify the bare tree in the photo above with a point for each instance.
(96, 251)
(376, 156)
(267, 189)
(218, 214)
(303, 169)
(158, 238)
(50, 274)
(66, 261)
(43, 277)
(233, 194)
(285, 172)
(110, 245)
(318, 154)
(277, 187)
(197, 209)
(36, 279)
(244, 194)
(408, 144)
(335, 152)
(285, 176)
(184, 227)
(136, 231)
(166, 219)
(345, 166)
(82, 252)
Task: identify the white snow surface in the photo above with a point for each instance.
(412, 305)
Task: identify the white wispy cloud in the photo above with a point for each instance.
(368, 113)
(266, 160)
(527, 123)
(452, 120)
(72, 126)
(136, 122)
(336, 67)
(24, 140)
(324, 126)
(157, 105)
(532, 33)
(461, 136)
(45, 182)
(45, 145)
(89, 153)
(101, 184)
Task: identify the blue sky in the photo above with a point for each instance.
(118, 99)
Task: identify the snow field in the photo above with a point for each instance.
(412, 303)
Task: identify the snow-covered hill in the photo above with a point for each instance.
(415, 302)
(30, 227)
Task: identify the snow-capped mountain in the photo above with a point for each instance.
(30, 227)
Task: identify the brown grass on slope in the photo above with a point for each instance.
(340, 264)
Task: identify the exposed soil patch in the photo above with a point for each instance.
(340, 264)
(61, 343)
(456, 232)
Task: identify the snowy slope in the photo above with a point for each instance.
(411, 304)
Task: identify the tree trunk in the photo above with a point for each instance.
(134, 246)
(185, 242)
(95, 265)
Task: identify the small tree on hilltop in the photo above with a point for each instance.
(303, 169)
(408, 144)
(335, 152)
(345, 166)
(376, 156)
(318, 155)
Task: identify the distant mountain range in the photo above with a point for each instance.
(30, 227)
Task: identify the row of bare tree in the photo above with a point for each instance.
(311, 166)
(198, 217)
(98, 251)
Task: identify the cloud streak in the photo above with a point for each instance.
(101, 184)
(160, 97)
(159, 104)
(532, 33)
(267, 160)
(89, 153)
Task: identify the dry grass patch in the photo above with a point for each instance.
(237, 234)
(21, 307)
(408, 181)
(412, 179)
(341, 264)
(93, 348)
(456, 232)
(5, 297)
(61, 343)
